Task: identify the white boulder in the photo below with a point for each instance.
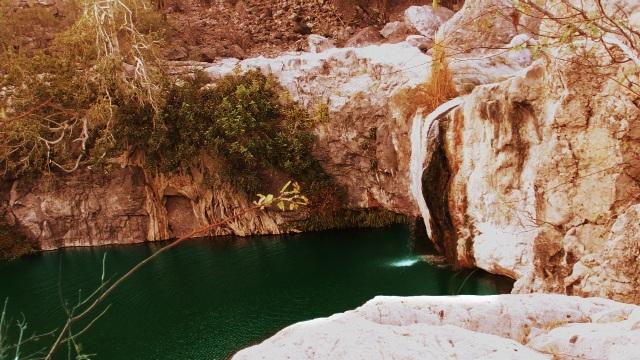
(318, 43)
(396, 31)
(535, 326)
(425, 19)
(420, 41)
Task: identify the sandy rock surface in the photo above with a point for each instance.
(536, 326)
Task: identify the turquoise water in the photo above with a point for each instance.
(211, 297)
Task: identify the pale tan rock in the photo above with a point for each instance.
(365, 37)
(541, 167)
(397, 31)
(426, 19)
(481, 26)
(319, 43)
(536, 326)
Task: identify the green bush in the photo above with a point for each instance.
(56, 98)
(246, 120)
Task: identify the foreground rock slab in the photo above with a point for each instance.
(532, 326)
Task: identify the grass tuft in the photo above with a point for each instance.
(438, 89)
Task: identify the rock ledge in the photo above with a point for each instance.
(532, 326)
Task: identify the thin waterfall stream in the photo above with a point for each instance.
(420, 154)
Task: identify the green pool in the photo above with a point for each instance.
(211, 297)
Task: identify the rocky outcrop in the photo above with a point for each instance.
(534, 176)
(543, 183)
(127, 205)
(365, 144)
(426, 19)
(482, 26)
(465, 327)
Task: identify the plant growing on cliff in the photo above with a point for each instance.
(246, 120)
(438, 89)
(57, 102)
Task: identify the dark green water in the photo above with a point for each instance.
(209, 298)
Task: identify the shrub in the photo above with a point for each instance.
(56, 101)
(429, 95)
(246, 120)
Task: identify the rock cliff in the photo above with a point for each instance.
(127, 205)
(535, 177)
(543, 187)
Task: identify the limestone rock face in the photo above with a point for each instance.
(365, 144)
(536, 326)
(484, 24)
(80, 209)
(127, 205)
(543, 182)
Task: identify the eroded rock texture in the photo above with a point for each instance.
(537, 326)
(365, 143)
(544, 182)
(126, 205)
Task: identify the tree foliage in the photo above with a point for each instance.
(57, 102)
(599, 37)
(438, 89)
(245, 120)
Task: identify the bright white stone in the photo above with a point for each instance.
(426, 19)
(319, 43)
(535, 326)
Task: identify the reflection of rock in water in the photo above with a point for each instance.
(436, 260)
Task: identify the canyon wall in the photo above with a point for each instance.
(536, 178)
(128, 204)
(544, 182)
(364, 145)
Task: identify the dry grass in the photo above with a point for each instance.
(427, 96)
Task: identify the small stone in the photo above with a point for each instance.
(318, 43)
(367, 36)
(421, 42)
(301, 28)
(208, 54)
(235, 51)
(177, 53)
(397, 31)
(573, 339)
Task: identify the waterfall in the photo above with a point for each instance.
(419, 153)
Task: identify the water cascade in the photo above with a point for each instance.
(420, 154)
